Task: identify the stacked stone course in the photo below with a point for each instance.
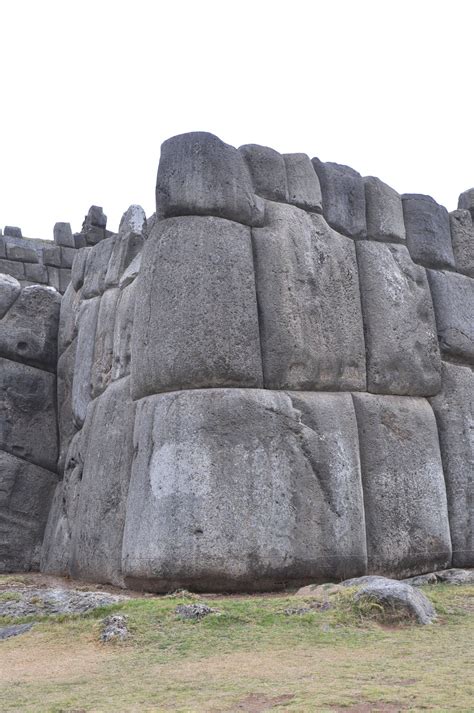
(269, 382)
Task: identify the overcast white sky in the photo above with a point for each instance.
(89, 90)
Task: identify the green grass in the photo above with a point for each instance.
(250, 657)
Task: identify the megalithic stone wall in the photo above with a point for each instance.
(268, 382)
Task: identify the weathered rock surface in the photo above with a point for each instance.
(401, 358)
(96, 267)
(196, 322)
(28, 413)
(28, 330)
(448, 576)
(56, 601)
(453, 300)
(309, 303)
(466, 201)
(6, 632)
(343, 195)
(127, 245)
(454, 411)
(101, 373)
(268, 171)
(404, 492)
(399, 596)
(384, 212)
(304, 190)
(63, 235)
(10, 288)
(199, 174)
(81, 387)
(122, 342)
(236, 472)
(428, 232)
(66, 425)
(26, 492)
(79, 267)
(114, 628)
(99, 520)
(462, 238)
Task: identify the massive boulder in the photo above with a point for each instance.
(384, 212)
(428, 231)
(462, 237)
(453, 300)
(343, 195)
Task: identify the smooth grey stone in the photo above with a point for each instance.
(82, 386)
(150, 223)
(126, 247)
(68, 318)
(454, 411)
(122, 343)
(67, 256)
(28, 413)
(28, 331)
(196, 322)
(309, 303)
(79, 266)
(63, 235)
(384, 212)
(79, 240)
(268, 171)
(465, 201)
(101, 373)
(52, 256)
(59, 278)
(400, 330)
(66, 427)
(131, 272)
(400, 595)
(230, 491)
(453, 300)
(98, 525)
(422, 580)
(428, 231)
(15, 269)
(456, 576)
(462, 238)
(304, 190)
(6, 632)
(13, 231)
(36, 273)
(96, 268)
(343, 195)
(404, 491)
(95, 218)
(133, 221)
(199, 174)
(3, 247)
(93, 235)
(21, 253)
(10, 288)
(26, 491)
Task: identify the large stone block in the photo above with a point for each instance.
(428, 232)
(196, 322)
(454, 411)
(122, 344)
(343, 195)
(82, 385)
(400, 330)
(126, 247)
(63, 235)
(101, 374)
(199, 174)
(26, 491)
(66, 425)
(238, 489)
(384, 211)
(404, 492)
(453, 300)
(10, 288)
(96, 268)
(466, 201)
(309, 303)
(98, 525)
(462, 238)
(15, 269)
(37, 273)
(79, 266)
(22, 253)
(28, 413)
(28, 331)
(268, 171)
(68, 318)
(304, 190)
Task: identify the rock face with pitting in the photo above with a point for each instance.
(206, 420)
(399, 596)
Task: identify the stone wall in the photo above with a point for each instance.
(268, 382)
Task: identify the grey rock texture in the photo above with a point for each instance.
(10, 289)
(453, 300)
(50, 602)
(401, 359)
(13, 231)
(26, 491)
(399, 596)
(309, 303)
(63, 235)
(462, 238)
(28, 329)
(99, 519)
(114, 628)
(404, 492)
(465, 201)
(122, 340)
(304, 190)
(101, 373)
(454, 411)
(236, 472)
(82, 381)
(384, 212)
(196, 322)
(428, 231)
(6, 632)
(96, 268)
(128, 244)
(66, 425)
(199, 174)
(343, 195)
(28, 413)
(79, 267)
(268, 171)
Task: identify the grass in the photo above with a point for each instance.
(251, 657)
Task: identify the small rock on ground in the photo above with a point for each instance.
(390, 593)
(114, 627)
(194, 611)
(32, 602)
(8, 631)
